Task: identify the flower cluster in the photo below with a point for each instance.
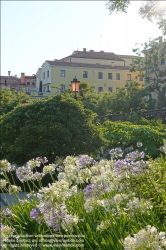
(33, 163)
(25, 173)
(49, 169)
(133, 164)
(95, 190)
(84, 160)
(5, 232)
(116, 153)
(103, 225)
(42, 160)
(14, 189)
(7, 211)
(34, 213)
(147, 238)
(5, 166)
(3, 183)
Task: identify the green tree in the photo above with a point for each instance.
(11, 99)
(152, 10)
(56, 126)
(151, 68)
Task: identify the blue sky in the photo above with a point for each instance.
(35, 31)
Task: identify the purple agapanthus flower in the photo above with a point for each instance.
(95, 190)
(34, 213)
(84, 160)
(43, 160)
(135, 156)
(24, 173)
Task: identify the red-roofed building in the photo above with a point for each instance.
(24, 82)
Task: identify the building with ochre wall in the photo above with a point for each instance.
(103, 70)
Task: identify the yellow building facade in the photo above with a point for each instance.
(105, 71)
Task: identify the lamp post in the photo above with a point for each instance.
(75, 85)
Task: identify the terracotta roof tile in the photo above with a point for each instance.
(96, 55)
(10, 80)
(87, 65)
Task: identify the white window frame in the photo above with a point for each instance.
(86, 73)
(98, 75)
(117, 75)
(62, 74)
(111, 76)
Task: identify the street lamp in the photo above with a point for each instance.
(75, 85)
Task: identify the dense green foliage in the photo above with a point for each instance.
(126, 134)
(54, 126)
(125, 100)
(150, 67)
(11, 99)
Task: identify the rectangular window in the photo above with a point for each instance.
(28, 82)
(44, 89)
(43, 75)
(100, 89)
(85, 74)
(48, 89)
(33, 82)
(62, 73)
(110, 89)
(128, 77)
(47, 73)
(100, 75)
(141, 78)
(118, 76)
(109, 76)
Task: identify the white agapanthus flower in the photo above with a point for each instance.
(33, 163)
(49, 169)
(3, 183)
(84, 175)
(147, 238)
(103, 225)
(14, 189)
(5, 166)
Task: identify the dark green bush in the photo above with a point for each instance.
(126, 134)
(56, 126)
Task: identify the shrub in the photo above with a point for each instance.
(126, 134)
(55, 126)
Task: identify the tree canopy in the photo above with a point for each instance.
(56, 126)
(11, 99)
(152, 68)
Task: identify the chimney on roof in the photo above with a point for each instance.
(91, 50)
(22, 77)
(101, 50)
(9, 73)
(84, 49)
